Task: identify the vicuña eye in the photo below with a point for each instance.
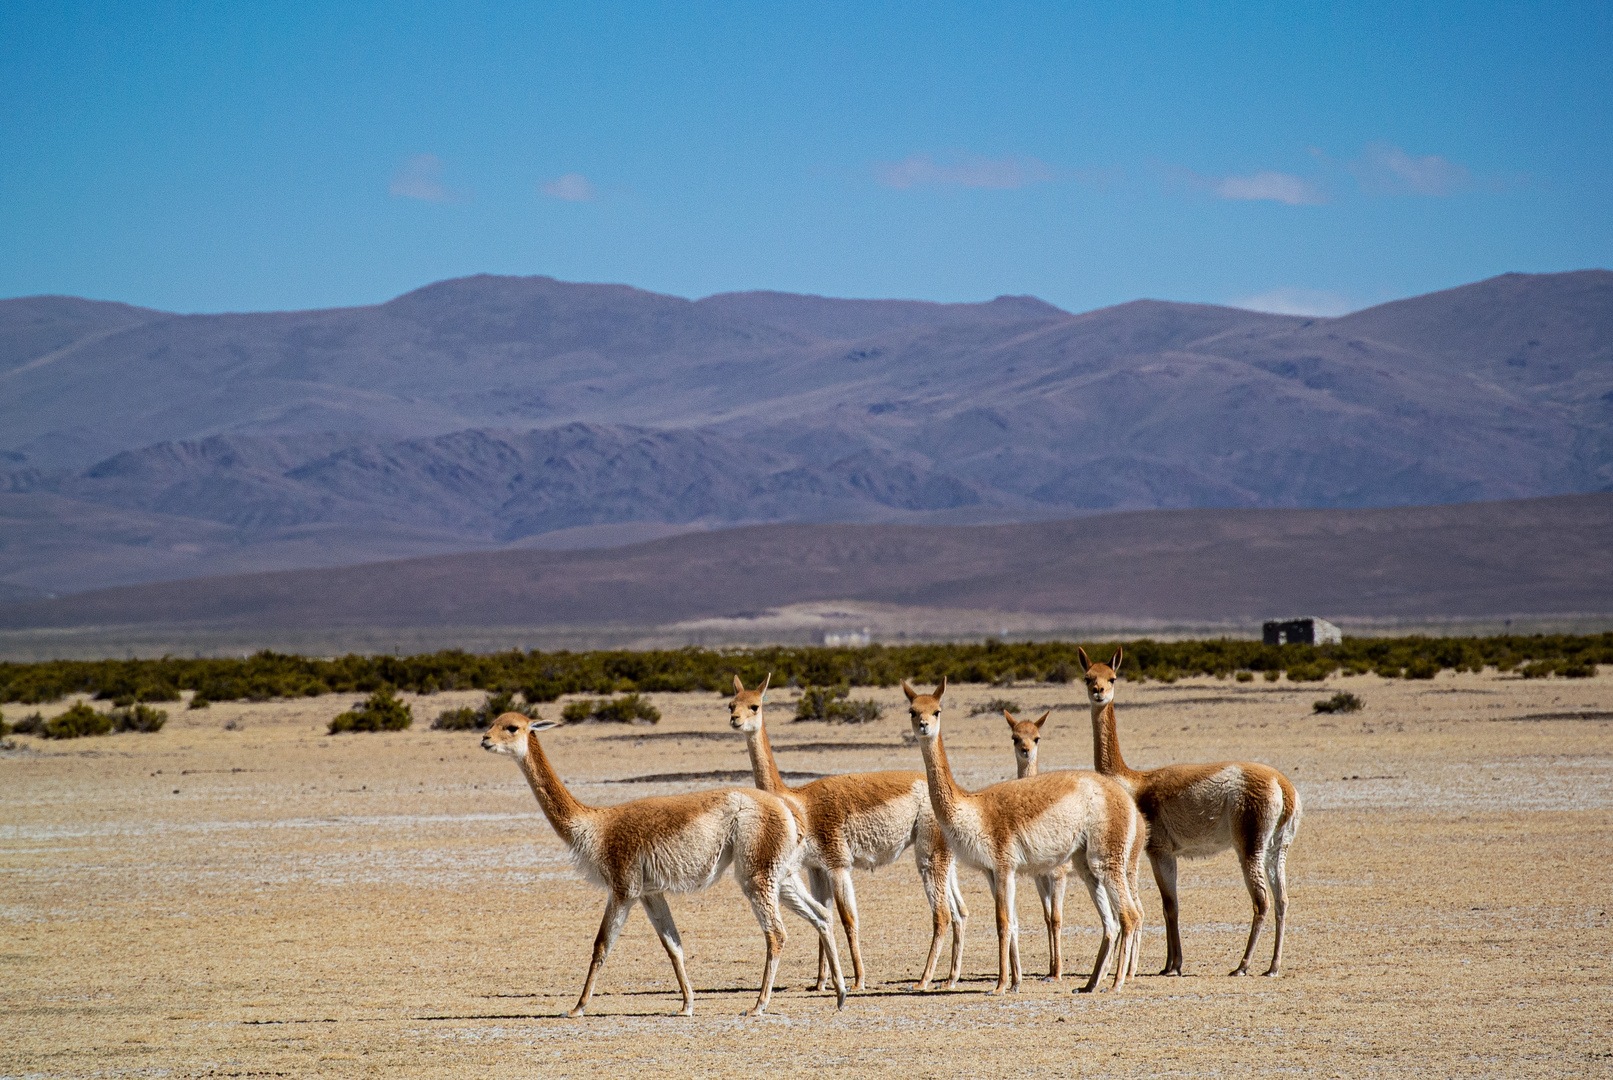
(510, 727)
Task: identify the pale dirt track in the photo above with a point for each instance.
(396, 905)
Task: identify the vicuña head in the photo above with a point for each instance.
(1101, 678)
(925, 709)
(507, 734)
(1026, 734)
(745, 710)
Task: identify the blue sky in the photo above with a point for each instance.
(1288, 156)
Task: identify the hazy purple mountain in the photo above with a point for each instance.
(490, 410)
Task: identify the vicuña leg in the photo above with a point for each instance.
(1106, 915)
(1118, 886)
(960, 918)
(939, 876)
(1002, 891)
(794, 895)
(1134, 882)
(1165, 878)
(1050, 890)
(1277, 868)
(1253, 864)
(655, 906)
(616, 912)
(822, 890)
(845, 898)
(763, 895)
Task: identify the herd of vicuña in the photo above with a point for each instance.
(1095, 825)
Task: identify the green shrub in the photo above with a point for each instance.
(1388, 671)
(1061, 672)
(5, 728)
(855, 712)
(828, 704)
(1245, 676)
(997, 705)
(1341, 702)
(141, 718)
(77, 722)
(199, 702)
(579, 711)
(1577, 671)
(466, 719)
(493, 706)
(542, 690)
(1422, 668)
(382, 711)
(497, 703)
(29, 725)
(1538, 670)
(628, 709)
(1273, 675)
(1307, 672)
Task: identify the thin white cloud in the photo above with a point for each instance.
(1270, 186)
(1295, 301)
(420, 177)
(970, 171)
(1383, 169)
(572, 187)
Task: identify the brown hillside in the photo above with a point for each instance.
(1537, 556)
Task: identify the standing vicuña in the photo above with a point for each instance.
(1027, 736)
(1199, 810)
(863, 820)
(1034, 826)
(644, 849)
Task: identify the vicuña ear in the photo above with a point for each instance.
(739, 687)
(1010, 718)
(1043, 720)
(939, 690)
(1119, 655)
(540, 724)
(765, 683)
(1081, 655)
(909, 691)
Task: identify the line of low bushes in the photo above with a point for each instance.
(539, 676)
(82, 720)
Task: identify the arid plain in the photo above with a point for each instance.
(242, 895)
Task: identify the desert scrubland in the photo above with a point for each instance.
(240, 894)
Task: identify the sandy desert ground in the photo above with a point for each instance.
(241, 895)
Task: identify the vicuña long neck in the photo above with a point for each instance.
(559, 805)
(1106, 744)
(1027, 767)
(762, 765)
(945, 794)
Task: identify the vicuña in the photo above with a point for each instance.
(1035, 826)
(1199, 810)
(641, 850)
(862, 820)
(1027, 737)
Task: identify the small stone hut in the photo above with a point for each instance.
(1307, 631)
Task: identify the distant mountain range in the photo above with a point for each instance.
(1531, 557)
(492, 412)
